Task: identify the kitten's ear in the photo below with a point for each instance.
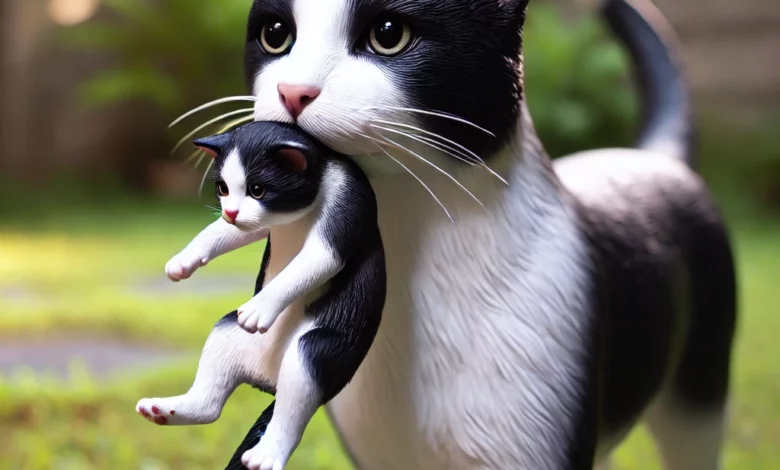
(213, 145)
(298, 157)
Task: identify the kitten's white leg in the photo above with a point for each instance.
(311, 268)
(225, 363)
(297, 399)
(215, 240)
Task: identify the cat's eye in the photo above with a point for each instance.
(389, 37)
(222, 189)
(256, 191)
(276, 38)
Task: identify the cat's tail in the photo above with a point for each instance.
(667, 121)
(252, 438)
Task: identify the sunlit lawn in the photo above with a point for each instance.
(81, 263)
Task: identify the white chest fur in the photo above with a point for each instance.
(480, 348)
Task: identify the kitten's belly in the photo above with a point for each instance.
(475, 351)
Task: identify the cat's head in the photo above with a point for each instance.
(266, 173)
(344, 69)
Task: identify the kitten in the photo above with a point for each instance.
(322, 288)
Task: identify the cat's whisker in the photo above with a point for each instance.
(209, 123)
(379, 144)
(236, 122)
(423, 159)
(459, 146)
(210, 104)
(205, 175)
(429, 142)
(432, 134)
(448, 149)
(193, 156)
(442, 115)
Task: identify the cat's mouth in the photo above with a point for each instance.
(383, 140)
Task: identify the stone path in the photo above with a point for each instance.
(195, 286)
(103, 357)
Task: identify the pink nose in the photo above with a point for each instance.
(296, 97)
(230, 216)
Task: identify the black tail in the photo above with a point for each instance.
(252, 438)
(667, 124)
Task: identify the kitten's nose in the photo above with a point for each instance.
(230, 216)
(296, 97)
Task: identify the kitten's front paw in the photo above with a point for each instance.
(267, 455)
(184, 264)
(256, 316)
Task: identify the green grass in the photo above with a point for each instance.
(80, 261)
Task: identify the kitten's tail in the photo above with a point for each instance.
(252, 438)
(667, 122)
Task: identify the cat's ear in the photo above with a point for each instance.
(214, 145)
(517, 7)
(296, 156)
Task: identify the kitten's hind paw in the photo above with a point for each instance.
(174, 411)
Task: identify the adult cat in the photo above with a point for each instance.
(534, 329)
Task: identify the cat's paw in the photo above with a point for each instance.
(183, 265)
(267, 455)
(257, 316)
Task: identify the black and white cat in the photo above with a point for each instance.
(322, 286)
(536, 328)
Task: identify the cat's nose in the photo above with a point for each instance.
(295, 98)
(230, 216)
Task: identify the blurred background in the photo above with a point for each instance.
(95, 205)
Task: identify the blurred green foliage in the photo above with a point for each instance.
(578, 87)
(170, 52)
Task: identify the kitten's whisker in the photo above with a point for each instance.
(209, 105)
(379, 144)
(431, 143)
(410, 152)
(451, 117)
(207, 124)
(459, 146)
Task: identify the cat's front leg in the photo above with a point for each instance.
(312, 267)
(215, 240)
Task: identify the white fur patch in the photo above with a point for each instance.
(480, 347)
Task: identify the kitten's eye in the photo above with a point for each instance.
(389, 37)
(276, 38)
(222, 189)
(256, 191)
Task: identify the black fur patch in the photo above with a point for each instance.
(285, 191)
